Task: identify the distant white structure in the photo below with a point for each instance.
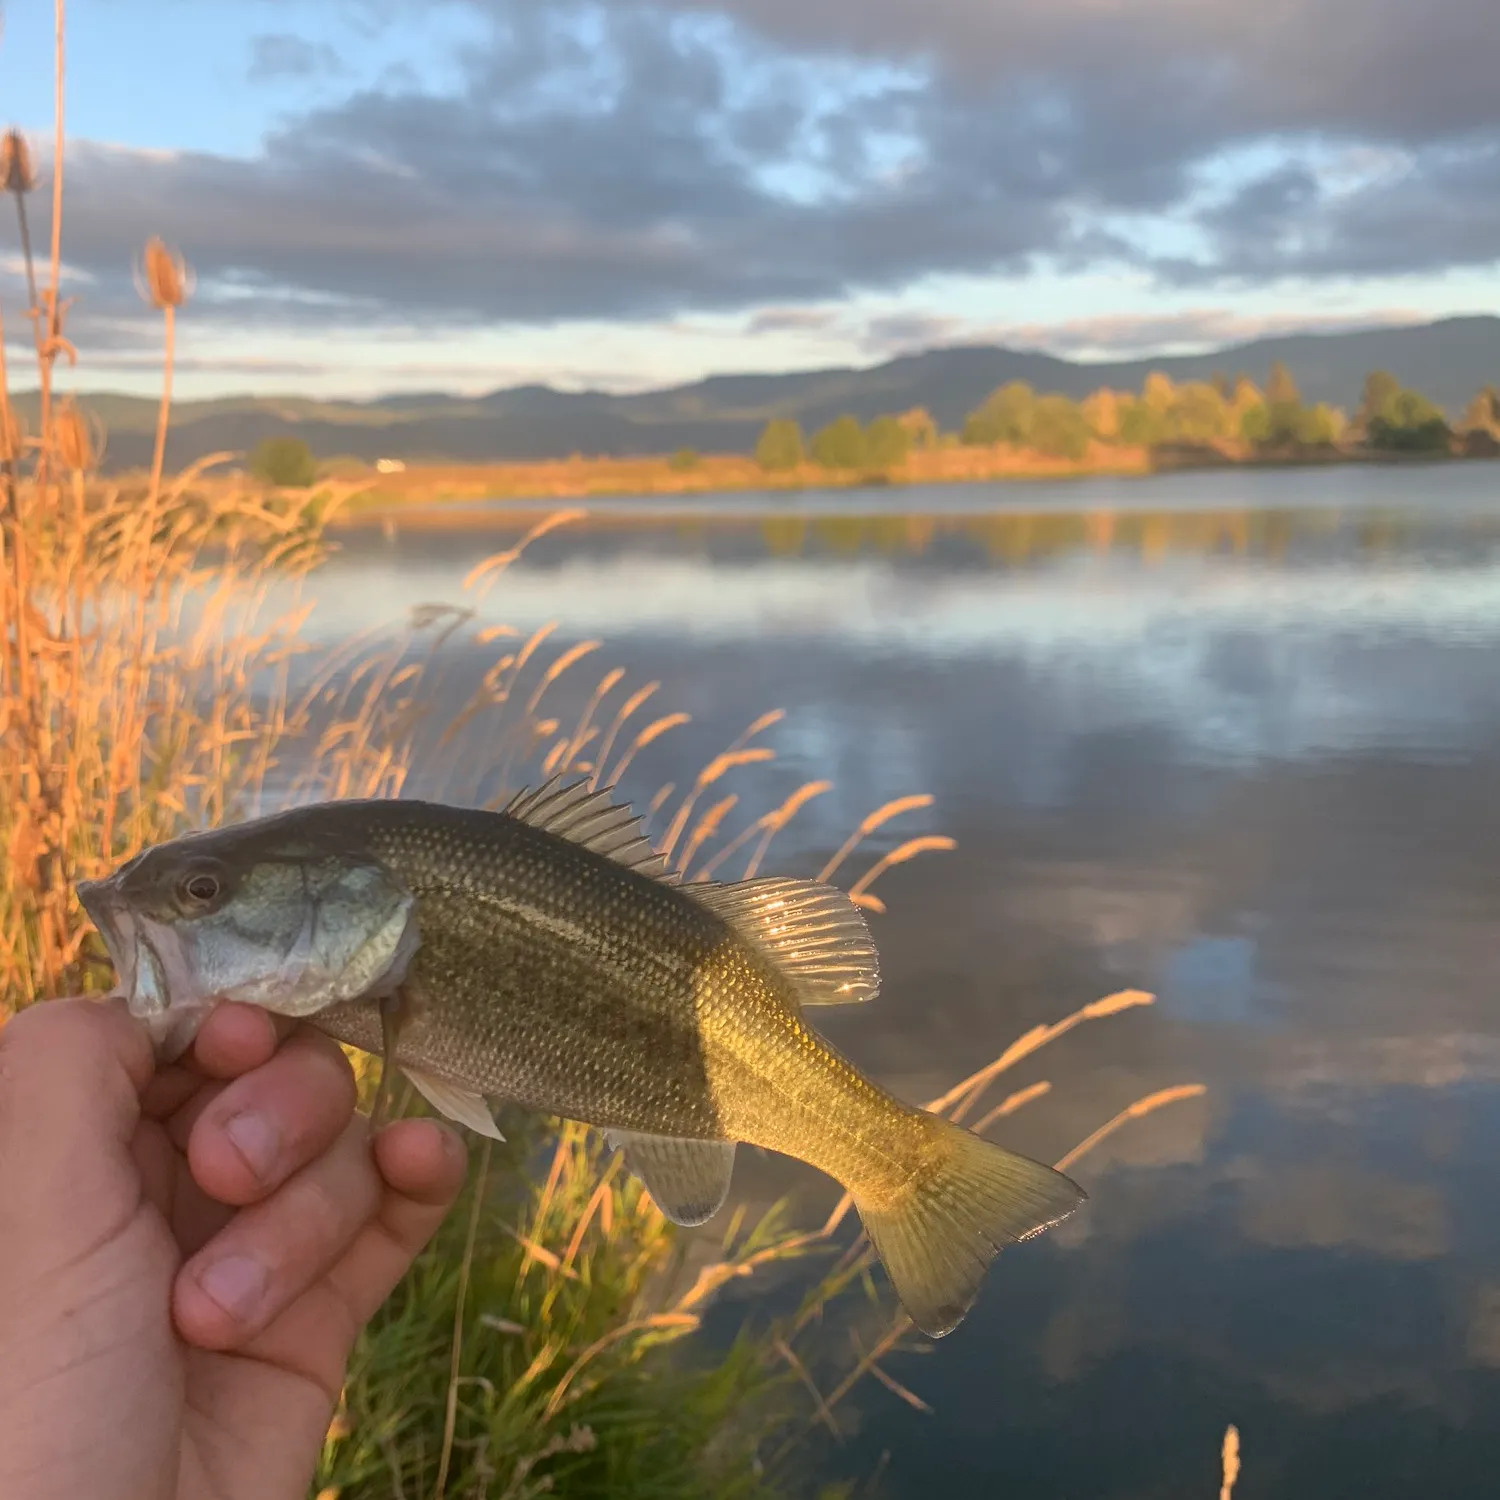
(389, 466)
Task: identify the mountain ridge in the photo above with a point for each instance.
(1448, 360)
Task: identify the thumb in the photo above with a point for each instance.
(71, 1076)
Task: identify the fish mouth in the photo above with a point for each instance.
(154, 976)
(116, 926)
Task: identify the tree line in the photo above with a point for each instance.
(1234, 414)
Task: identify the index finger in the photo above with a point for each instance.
(235, 1038)
(232, 1040)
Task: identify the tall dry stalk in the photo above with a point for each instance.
(164, 279)
(49, 340)
(19, 177)
(59, 44)
(142, 688)
(1229, 1462)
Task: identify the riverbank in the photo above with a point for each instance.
(579, 477)
(585, 478)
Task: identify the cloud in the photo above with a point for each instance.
(650, 158)
(281, 55)
(1436, 209)
(896, 333)
(793, 320)
(1110, 336)
(1194, 329)
(1322, 1207)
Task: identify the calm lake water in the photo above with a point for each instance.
(1233, 739)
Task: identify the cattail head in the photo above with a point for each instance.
(164, 275)
(75, 437)
(17, 172)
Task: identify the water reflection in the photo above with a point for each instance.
(1242, 754)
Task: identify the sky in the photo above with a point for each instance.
(399, 195)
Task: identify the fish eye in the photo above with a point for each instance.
(200, 888)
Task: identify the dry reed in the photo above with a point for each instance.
(1229, 1460)
(164, 283)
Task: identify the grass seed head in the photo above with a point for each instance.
(165, 274)
(17, 170)
(74, 436)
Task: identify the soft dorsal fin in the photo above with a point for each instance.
(688, 1180)
(813, 932)
(592, 820)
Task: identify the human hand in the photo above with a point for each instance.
(187, 1255)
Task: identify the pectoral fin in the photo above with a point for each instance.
(393, 1012)
(688, 1180)
(453, 1102)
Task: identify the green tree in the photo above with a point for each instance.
(1141, 423)
(1281, 389)
(1101, 410)
(920, 428)
(1287, 421)
(1059, 428)
(1483, 413)
(1380, 387)
(1005, 416)
(1319, 426)
(683, 460)
(841, 444)
(284, 461)
(1200, 414)
(1255, 423)
(1158, 392)
(780, 445)
(1246, 394)
(887, 443)
(1408, 421)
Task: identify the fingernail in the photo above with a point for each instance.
(256, 1139)
(236, 1283)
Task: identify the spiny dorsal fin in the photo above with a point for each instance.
(688, 1180)
(814, 933)
(593, 820)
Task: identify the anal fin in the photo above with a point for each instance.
(688, 1180)
(453, 1102)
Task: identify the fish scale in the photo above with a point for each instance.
(544, 977)
(547, 955)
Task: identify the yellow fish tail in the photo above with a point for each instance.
(937, 1237)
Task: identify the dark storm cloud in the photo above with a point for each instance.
(1442, 210)
(650, 159)
(1374, 67)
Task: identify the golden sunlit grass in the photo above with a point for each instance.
(580, 477)
(150, 681)
(141, 689)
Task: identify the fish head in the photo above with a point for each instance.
(290, 924)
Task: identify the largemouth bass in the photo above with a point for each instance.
(546, 954)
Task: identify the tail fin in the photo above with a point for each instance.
(936, 1241)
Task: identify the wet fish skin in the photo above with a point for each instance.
(545, 957)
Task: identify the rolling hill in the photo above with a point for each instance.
(1447, 360)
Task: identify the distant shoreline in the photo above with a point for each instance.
(425, 488)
